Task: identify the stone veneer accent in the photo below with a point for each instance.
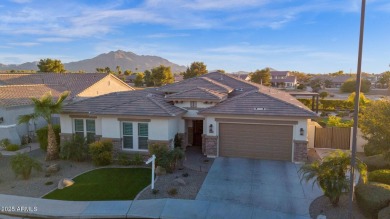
(183, 140)
(211, 146)
(300, 151)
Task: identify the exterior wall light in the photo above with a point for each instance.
(301, 131)
(211, 128)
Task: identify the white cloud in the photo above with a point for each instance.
(54, 39)
(25, 44)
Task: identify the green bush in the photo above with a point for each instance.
(4, 142)
(76, 149)
(165, 158)
(12, 147)
(372, 197)
(301, 86)
(22, 165)
(177, 141)
(377, 162)
(137, 159)
(123, 159)
(101, 152)
(350, 86)
(384, 213)
(42, 136)
(380, 176)
(371, 150)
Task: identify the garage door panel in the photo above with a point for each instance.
(255, 141)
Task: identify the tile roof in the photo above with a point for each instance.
(198, 93)
(231, 81)
(279, 73)
(194, 83)
(18, 95)
(128, 103)
(261, 103)
(287, 79)
(76, 83)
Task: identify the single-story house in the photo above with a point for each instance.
(222, 114)
(16, 91)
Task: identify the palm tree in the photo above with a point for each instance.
(331, 174)
(45, 107)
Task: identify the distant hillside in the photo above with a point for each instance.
(126, 60)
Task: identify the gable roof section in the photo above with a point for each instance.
(74, 82)
(19, 95)
(279, 73)
(128, 103)
(231, 81)
(198, 93)
(261, 103)
(194, 83)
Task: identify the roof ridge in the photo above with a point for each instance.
(236, 78)
(216, 82)
(230, 100)
(210, 91)
(150, 97)
(281, 100)
(28, 85)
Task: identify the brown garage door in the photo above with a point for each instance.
(271, 142)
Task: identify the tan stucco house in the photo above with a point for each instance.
(222, 114)
(16, 91)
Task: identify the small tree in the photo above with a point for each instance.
(316, 84)
(196, 69)
(331, 174)
(22, 164)
(323, 95)
(261, 76)
(374, 124)
(350, 85)
(139, 80)
(363, 100)
(45, 107)
(162, 75)
(51, 65)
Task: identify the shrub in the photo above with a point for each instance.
(42, 136)
(101, 152)
(4, 142)
(172, 192)
(324, 94)
(22, 165)
(380, 176)
(372, 197)
(177, 141)
(349, 86)
(377, 162)
(137, 159)
(165, 158)
(75, 150)
(384, 213)
(371, 150)
(123, 159)
(160, 151)
(301, 86)
(12, 147)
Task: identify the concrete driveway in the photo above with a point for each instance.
(273, 188)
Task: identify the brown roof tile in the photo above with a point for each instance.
(261, 103)
(198, 93)
(194, 83)
(134, 103)
(18, 95)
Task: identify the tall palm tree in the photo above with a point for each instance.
(45, 107)
(331, 174)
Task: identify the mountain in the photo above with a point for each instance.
(126, 60)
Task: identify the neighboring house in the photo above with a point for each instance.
(338, 81)
(283, 79)
(223, 115)
(16, 91)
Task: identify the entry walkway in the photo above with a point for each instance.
(155, 208)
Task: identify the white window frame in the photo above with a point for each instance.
(193, 104)
(135, 135)
(85, 131)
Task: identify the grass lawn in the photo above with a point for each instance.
(105, 184)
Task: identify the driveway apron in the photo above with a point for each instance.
(272, 187)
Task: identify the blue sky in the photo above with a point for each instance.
(313, 36)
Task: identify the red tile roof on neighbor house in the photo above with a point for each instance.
(20, 95)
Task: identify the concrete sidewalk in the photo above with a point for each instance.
(155, 208)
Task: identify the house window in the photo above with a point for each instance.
(128, 135)
(135, 135)
(193, 104)
(143, 136)
(85, 128)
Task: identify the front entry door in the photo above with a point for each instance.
(197, 132)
